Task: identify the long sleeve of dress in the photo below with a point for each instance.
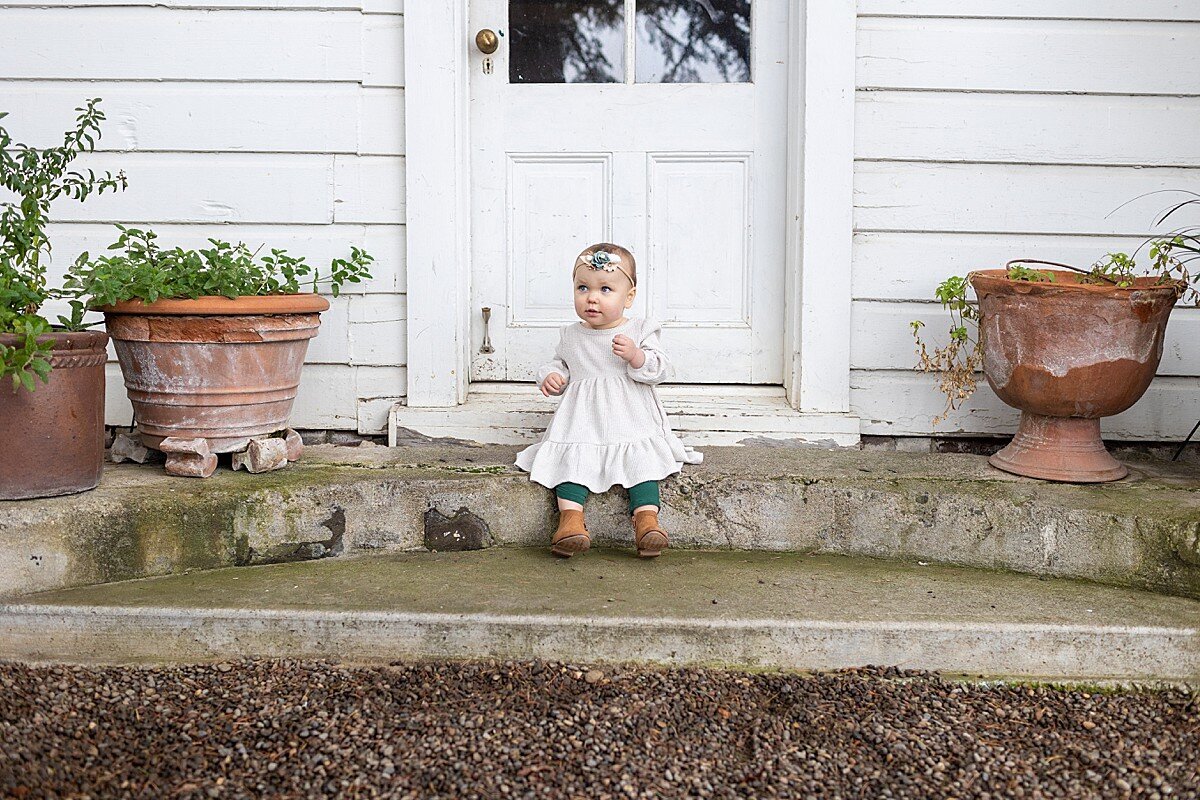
(657, 367)
(556, 364)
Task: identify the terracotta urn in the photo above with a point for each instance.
(53, 437)
(1067, 354)
(225, 370)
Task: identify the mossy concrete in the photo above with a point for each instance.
(1141, 532)
(746, 608)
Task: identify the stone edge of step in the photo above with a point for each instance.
(109, 634)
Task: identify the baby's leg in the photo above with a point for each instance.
(571, 538)
(648, 535)
(571, 496)
(643, 497)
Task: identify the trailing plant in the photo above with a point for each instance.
(36, 178)
(145, 271)
(956, 362)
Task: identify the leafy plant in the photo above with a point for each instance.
(38, 177)
(144, 270)
(1115, 268)
(1018, 272)
(957, 362)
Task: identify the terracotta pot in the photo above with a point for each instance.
(213, 368)
(53, 437)
(1066, 354)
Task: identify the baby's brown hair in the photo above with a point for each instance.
(626, 265)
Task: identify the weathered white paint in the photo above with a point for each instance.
(381, 122)
(210, 188)
(368, 189)
(191, 117)
(820, 207)
(1029, 55)
(1180, 10)
(1008, 198)
(899, 265)
(179, 44)
(274, 122)
(376, 389)
(378, 329)
(339, 396)
(386, 6)
(332, 343)
(990, 130)
(319, 244)
(903, 403)
(435, 53)
(508, 413)
(383, 50)
(215, 117)
(328, 397)
(879, 342)
(1028, 128)
(361, 330)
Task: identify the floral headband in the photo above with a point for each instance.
(602, 261)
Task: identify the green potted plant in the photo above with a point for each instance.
(211, 342)
(1066, 346)
(51, 377)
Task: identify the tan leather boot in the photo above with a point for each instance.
(650, 539)
(571, 537)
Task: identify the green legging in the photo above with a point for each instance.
(643, 494)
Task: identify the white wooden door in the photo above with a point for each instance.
(659, 125)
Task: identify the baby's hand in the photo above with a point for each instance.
(554, 384)
(624, 347)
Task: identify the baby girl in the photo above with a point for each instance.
(610, 426)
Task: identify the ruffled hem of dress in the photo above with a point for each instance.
(599, 467)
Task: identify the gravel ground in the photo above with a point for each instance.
(541, 729)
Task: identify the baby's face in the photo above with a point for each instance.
(602, 297)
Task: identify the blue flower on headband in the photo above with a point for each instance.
(603, 261)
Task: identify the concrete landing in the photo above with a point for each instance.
(751, 609)
(1141, 532)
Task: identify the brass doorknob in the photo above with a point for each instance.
(487, 41)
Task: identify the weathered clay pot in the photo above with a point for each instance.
(213, 368)
(53, 437)
(1066, 354)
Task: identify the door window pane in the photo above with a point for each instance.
(566, 41)
(692, 41)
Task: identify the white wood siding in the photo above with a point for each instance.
(991, 129)
(265, 121)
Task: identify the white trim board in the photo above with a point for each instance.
(820, 173)
(437, 185)
(516, 413)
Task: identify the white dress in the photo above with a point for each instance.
(610, 427)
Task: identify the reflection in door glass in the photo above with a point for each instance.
(566, 41)
(693, 41)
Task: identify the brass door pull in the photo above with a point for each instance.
(487, 341)
(487, 41)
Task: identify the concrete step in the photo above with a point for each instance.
(752, 609)
(1141, 532)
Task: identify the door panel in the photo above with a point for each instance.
(555, 199)
(700, 238)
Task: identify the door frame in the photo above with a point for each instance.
(820, 203)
